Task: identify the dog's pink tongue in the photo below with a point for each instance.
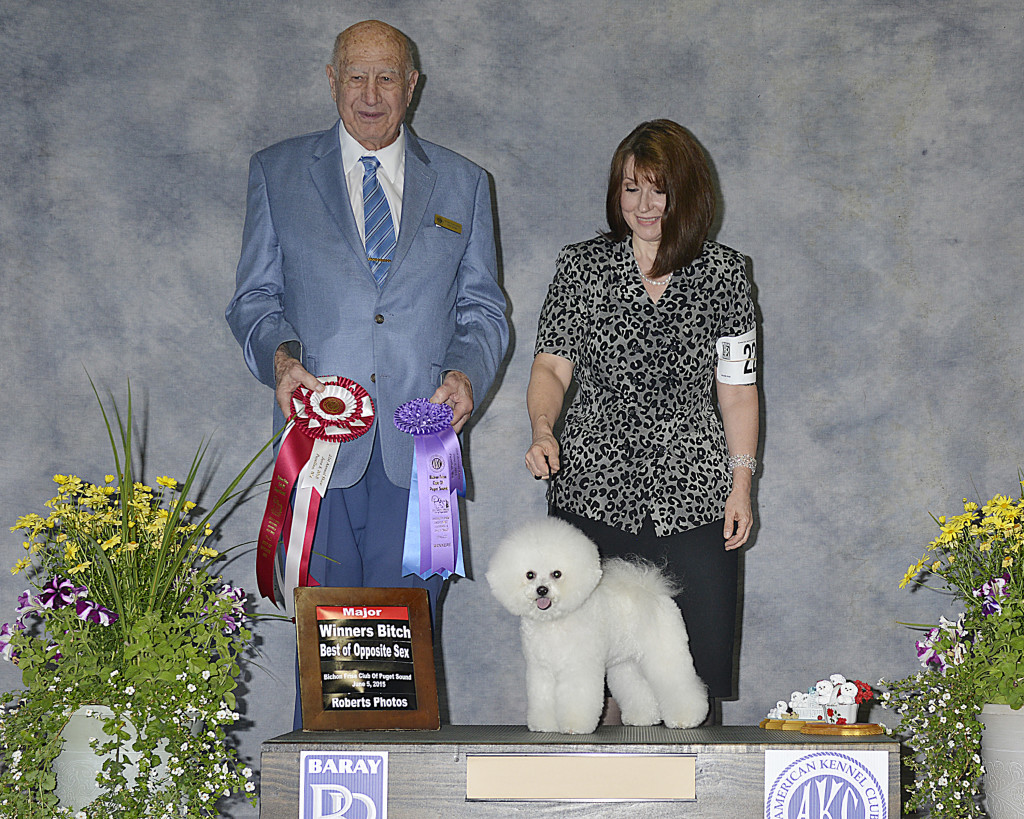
(543, 603)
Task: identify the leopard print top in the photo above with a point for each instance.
(641, 436)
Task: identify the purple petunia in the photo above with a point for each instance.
(59, 593)
(7, 652)
(234, 618)
(989, 593)
(93, 612)
(27, 603)
(926, 652)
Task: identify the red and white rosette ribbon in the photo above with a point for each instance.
(319, 424)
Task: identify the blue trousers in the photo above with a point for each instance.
(360, 535)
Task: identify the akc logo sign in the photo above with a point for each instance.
(825, 785)
(340, 785)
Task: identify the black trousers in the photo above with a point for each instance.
(707, 576)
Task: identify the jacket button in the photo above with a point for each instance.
(379, 318)
(373, 378)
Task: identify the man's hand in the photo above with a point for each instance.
(457, 393)
(289, 374)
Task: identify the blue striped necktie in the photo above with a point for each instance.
(380, 227)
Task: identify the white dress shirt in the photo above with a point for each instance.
(390, 174)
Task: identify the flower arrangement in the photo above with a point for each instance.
(977, 658)
(123, 610)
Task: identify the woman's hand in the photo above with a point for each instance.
(542, 456)
(549, 379)
(739, 517)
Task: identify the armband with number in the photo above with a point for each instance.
(737, 358)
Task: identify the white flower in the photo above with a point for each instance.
(130, 690)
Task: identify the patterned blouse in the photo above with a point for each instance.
(641, 436)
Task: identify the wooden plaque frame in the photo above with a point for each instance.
(317, 718)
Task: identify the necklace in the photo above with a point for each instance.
(649, 280)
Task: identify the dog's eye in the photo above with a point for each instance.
(530, 575)
(556, 574)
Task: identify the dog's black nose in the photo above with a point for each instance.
(542, 591)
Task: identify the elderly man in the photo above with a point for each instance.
(369, 253)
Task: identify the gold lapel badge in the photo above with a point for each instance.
(449, 224)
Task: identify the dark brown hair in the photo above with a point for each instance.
(666, 154)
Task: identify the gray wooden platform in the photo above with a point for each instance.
(427, 769)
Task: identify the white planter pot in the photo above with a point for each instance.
(1002, 752)
(78, 764)
(844, 712)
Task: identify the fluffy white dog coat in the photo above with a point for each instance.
(580, 618)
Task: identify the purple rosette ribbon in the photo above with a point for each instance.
(432, 543)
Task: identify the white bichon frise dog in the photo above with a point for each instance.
(581, 618)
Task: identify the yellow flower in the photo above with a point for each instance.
(24, 563)
(108, 478)
(936, 565)
(81, 567)
(110, 542)
(912, 572)
(170, 483)
(1007, 561)
(206, 551)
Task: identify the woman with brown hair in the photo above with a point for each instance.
(653, 321)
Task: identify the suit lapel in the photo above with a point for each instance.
(329, 178)
(419, 184)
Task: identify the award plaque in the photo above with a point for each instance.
(366, 659)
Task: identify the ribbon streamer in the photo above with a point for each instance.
(432, 542)
(319, 424)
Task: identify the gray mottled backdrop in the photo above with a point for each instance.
(869, 159)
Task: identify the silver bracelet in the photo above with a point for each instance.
(749, 461)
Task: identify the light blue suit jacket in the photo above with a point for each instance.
(303, 276)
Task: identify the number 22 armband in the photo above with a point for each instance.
(737, 358)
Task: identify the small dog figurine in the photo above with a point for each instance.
(580, 618)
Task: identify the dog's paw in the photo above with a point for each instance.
(687, 718)
(543, 726)
(578, 727)
(640, 718)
